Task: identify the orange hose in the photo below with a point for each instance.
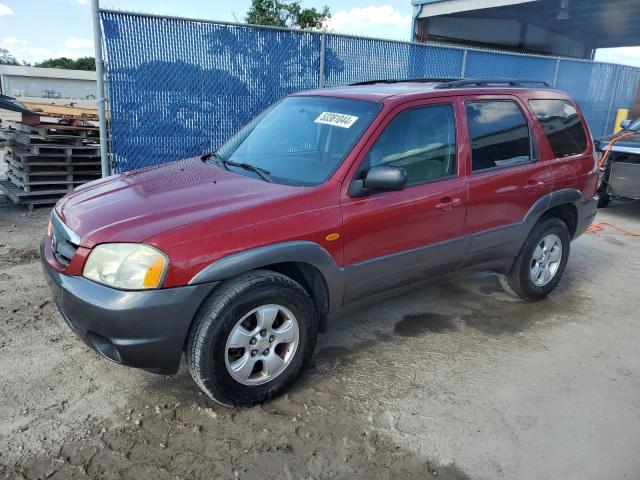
(599, 227)
(614, 140)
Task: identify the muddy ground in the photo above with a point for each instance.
(455, 381)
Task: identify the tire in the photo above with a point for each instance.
(603, 201)
(211, 356)
(529, 283)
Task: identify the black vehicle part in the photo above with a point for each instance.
(492, 82)
(604, 200)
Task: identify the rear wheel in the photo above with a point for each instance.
(540, 264)
(252, 338)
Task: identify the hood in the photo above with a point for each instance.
(134, 206)
(631, 142)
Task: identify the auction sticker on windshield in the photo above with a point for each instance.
(336, 119)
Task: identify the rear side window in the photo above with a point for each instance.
(499, 134)
(561, 125)
(421, 140)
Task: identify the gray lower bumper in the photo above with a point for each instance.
(143, 329)
(586, 214)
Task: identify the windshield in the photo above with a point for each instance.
(300, 140)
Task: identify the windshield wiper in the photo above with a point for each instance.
(263, 173)
(216, 156)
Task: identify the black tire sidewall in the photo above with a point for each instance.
(218, 319)
(520, 279)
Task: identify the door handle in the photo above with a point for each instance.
(447, 204)
(532, 185)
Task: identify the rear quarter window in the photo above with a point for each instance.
(561, 125)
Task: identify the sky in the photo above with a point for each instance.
(34, 30)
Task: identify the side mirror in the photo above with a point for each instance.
(624, 124)
(380, 178)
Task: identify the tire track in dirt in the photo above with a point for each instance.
(11, 256)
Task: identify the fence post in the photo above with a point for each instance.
(555, 73)
(323, 47)
(463, 67)
(614, 93)
(97, 40)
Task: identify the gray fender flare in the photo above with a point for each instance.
(550, 200)
(295, 251)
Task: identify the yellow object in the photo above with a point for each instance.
(621, 115)
(332, 236)
(153, 276)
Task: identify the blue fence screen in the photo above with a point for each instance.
(180, 87)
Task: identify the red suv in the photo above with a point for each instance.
(239, 257)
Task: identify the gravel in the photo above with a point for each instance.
(453, 381)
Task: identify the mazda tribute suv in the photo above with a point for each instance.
(238, 258)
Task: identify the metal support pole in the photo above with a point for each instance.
(554, 82)
(323, 47)
(463, 67)
(614, 94)
(97, 40)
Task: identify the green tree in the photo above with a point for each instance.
(286, 13)
(86, 63)
(83, 63)
(6, 58)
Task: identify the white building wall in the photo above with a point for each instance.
(19, 86)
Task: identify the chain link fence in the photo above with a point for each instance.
(180, 87)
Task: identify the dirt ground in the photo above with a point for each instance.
(455, 381)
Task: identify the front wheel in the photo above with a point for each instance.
(252, 338)
(540, 264)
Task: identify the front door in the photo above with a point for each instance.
(398, 237)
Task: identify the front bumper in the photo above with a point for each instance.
(586, 214)
(143, 329)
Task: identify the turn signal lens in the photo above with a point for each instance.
(49, 228)
(154, 273)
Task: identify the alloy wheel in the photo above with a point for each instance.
(262, 344)
(546, 260)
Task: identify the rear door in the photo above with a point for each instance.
(398, 237)
(506, 178)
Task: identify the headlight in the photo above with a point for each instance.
(130, 266)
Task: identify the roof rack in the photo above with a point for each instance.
(405, 80)
(490, 82)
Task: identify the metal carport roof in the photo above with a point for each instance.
(594, 23)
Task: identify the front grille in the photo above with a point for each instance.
(63, 245)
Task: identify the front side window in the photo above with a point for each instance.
(561, 125)
(421, 140)
(499, 134)
(301, 140)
